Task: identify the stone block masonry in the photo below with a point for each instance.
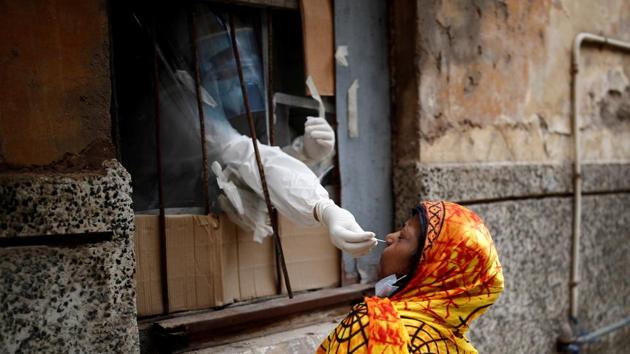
(80, 297)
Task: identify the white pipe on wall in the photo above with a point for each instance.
(577, 166)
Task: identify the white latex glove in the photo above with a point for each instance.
(344, 231)
(319, 138)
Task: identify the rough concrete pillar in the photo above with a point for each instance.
(68, 298)
(57, 179)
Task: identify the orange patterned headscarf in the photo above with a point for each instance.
(457, 278)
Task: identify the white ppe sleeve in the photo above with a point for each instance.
(294, 189)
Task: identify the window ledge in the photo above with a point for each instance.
(190, 331)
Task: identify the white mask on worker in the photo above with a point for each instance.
(385, 287)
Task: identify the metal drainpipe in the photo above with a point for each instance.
(577, 167)
(569, 342)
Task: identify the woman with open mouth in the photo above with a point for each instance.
(438, 273)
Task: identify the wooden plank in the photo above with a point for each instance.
(213, 321)
(330, 315)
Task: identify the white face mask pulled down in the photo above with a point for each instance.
(385, 287)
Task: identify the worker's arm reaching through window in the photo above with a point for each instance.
(294, 189)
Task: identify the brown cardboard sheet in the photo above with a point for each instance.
(148, 278)
(312, 260)
(211, 262)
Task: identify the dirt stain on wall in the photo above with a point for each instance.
(54, 82)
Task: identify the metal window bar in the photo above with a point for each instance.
(158, 156)
(270, 57)
(192, 26)
(267, 40)
(267, 26)
(250, 119)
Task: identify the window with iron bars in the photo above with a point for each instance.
(171, 59)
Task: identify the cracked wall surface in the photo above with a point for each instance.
(493, 80)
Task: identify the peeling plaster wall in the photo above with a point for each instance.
(494, 80)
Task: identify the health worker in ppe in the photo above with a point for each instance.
(294, 189)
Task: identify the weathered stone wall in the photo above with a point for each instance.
(534, 243)
(68, 299)
(481, 115)
(57, 178)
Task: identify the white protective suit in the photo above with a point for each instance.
(294, 189)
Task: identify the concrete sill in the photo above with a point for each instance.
(203, 329)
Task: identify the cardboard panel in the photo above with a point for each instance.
(147, 253)
(256, 267)
(180, 262)
(227, 238)
(205, 256)
(202, 261)
(211, 262)
(317, 28)
(313, 261)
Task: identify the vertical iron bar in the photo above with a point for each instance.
(271, 131)
(274, 221)
(261, 170)
(192, 24)
(265, 60)
(158, 153)
(272, 113)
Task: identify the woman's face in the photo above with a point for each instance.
(401, 246)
